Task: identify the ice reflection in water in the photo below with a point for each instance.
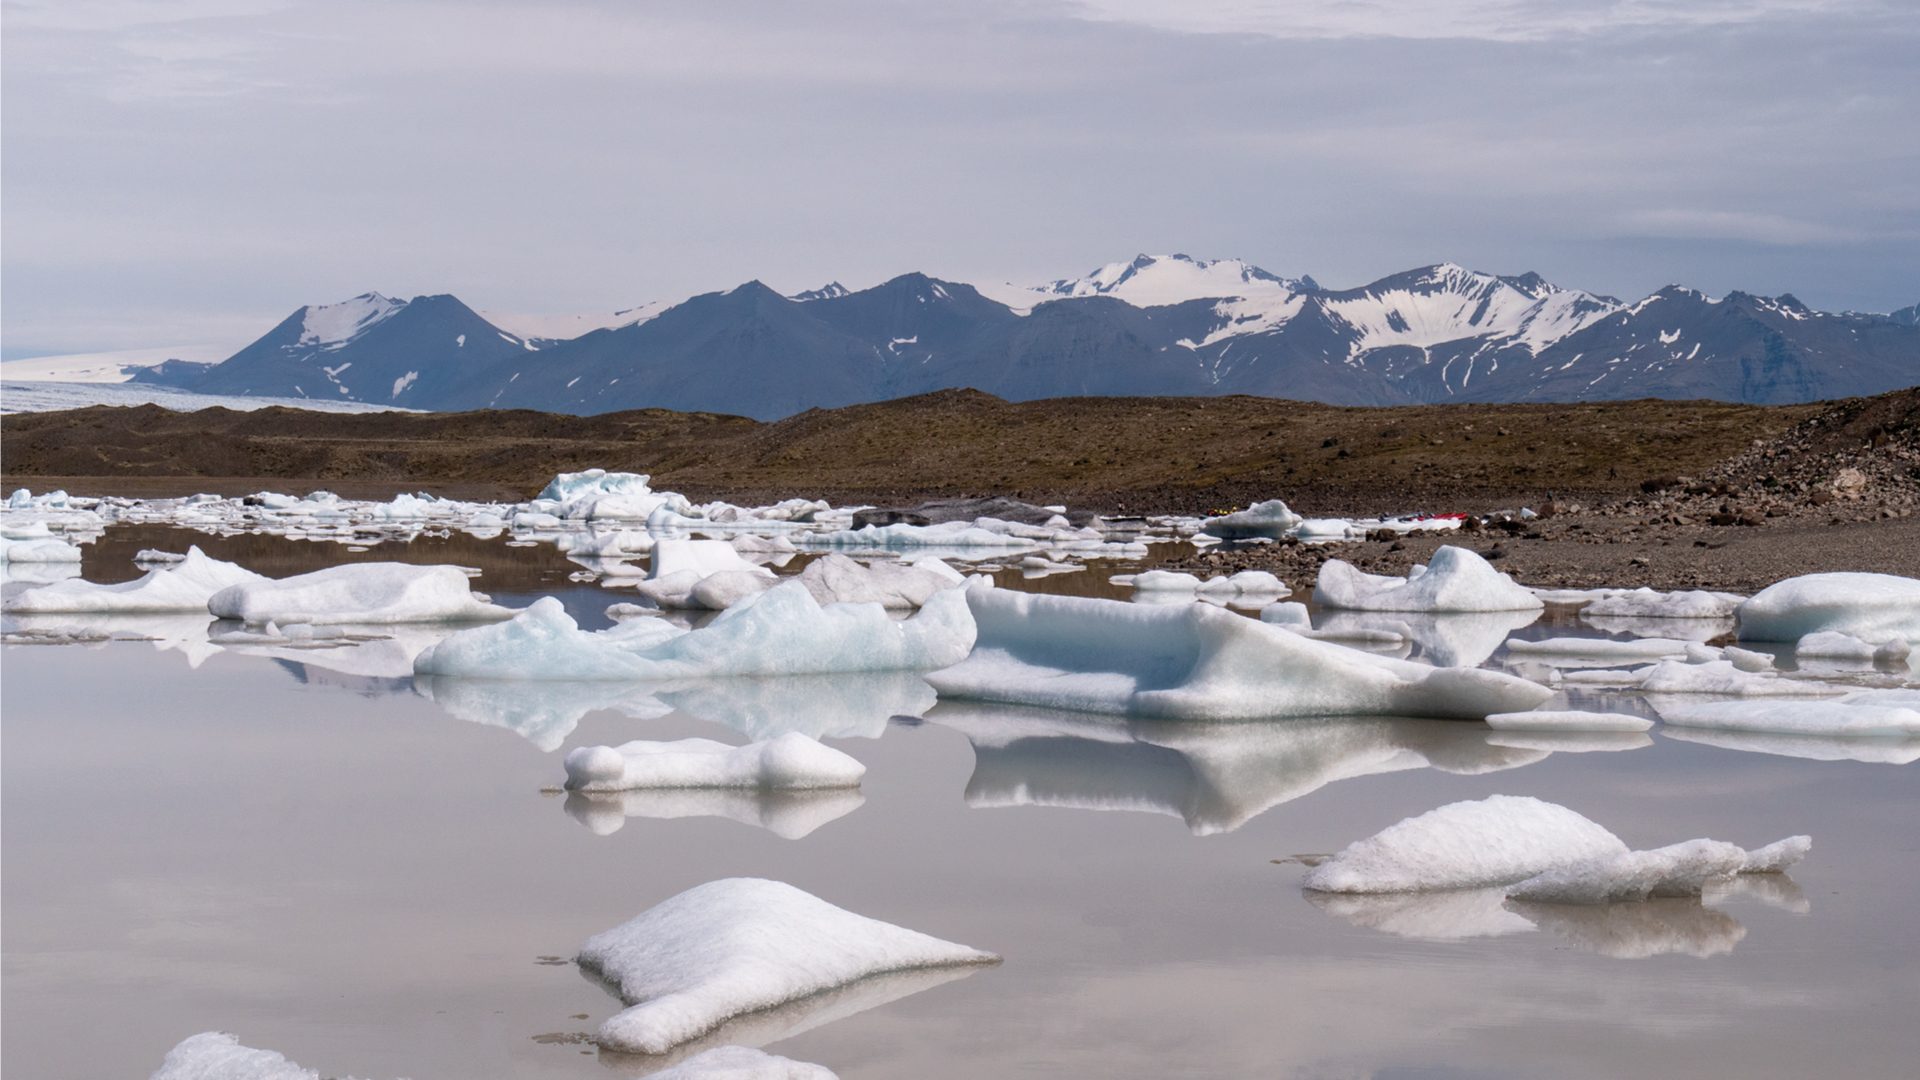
(786, 814)
(1215, 777)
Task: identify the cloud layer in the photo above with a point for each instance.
(190, 170)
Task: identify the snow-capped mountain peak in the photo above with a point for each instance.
(829, 291)
(331, 326)
(1159, 280)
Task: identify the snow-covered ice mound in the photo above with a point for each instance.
(739, 945)
(742, 1063)
(216, 1055)
(185, 585)
(789, 815)
(367, 593)
(1272, 519)
(1871, 607)
(1197, 662)
(1546, 852)
(791, 762)
(701, 574)
(783, 631)
(1454, 579)
(1567, 720)
(1464, 845)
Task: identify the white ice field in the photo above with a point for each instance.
(803, 644)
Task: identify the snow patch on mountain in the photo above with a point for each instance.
(535, 328)
(332, 326)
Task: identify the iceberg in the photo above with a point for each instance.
(1446, 639)
(791, 762)
(1454, 579)
(739, 945)
(367, 593)
(185, 585)
(1871, 607)
(783, 631)
(1271, 519)
(1465, 845)
(1722, 678)
(1197, 662)
(789, 815)
(1567, 720)
(1649, 604)
(836, 579)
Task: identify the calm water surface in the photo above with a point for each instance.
(367, 877)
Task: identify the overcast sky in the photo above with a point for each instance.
(189, 171)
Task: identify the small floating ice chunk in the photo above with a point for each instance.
(1834, 645)
(791, 762)
(46, 550)
(1197, 662)
(1722, 678)
(1494, 841)
(1455, 579)
(1272, 519)
(836, 579)
(1567, 720)
(1872, 607)
(1600, 648)
(185, 585)
(702, 557)
(216, 1055)
(154, 556)
(369, 593)
(1649, 604)
(737, 946)
(742, 1063)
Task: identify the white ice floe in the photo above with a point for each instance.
(1649, 604)
(783, 631)
(1447, 639)
(739, 945)
(1834, 645)
(1721, 677)
(1683, 869)
(791, 762)
(1294, 617)
(1245, 583)
(1567, 720)
(154, 557)
(1453, 580)
(216, 1055)
(43, 550)
(1747, 659)
(1852, 715)
(1271, 519)
(836, 579)
(1604, 649)
(1494, 841)
(1196, 662)
(742, 1063)
(1546, 853)
(366, 593)
(1871, 607)
(185, 585)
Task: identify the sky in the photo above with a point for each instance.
(190, 171)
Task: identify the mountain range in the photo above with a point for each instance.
(1154, 325)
